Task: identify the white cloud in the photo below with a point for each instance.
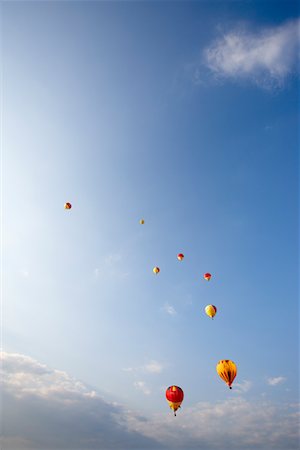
(275, 380)
(128, 369)
(97, 272)
(169, 309)
(150, 367)
(153, 367)
(243, 387)
(23, 375)
(112, 259)
(142, 386)
(111, 267)
(234, 423)
(48, 409)
(266, 57)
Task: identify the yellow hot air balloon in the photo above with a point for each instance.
(156, 270)
(142, 221)
(211, 310)
(227, 370)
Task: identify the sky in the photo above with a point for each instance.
(185, 114)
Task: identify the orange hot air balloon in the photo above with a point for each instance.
(68, 205)
(174, 396)
(156, 270)
(207, 276)
(142, 222)
(227, 370)
(180, 256)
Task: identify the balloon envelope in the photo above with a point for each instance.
(211, 310)
(68, 205)
(174, 396)
(227, 370)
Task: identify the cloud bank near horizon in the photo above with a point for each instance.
(48, 409)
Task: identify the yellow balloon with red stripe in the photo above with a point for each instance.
(156, 270)
(211, 311)
(227, 370)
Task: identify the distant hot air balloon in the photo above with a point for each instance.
(180, 256)
(207, 276)
(211, 310)
(68, 205)
(174, 396)
(156, 270)
(227, 370)
(142, 221)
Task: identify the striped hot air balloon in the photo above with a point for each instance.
(227, 370)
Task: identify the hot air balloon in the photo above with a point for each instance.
(211, 310)
(174, 396)
(68, 205)
(207, 276)
(156, 270)
(227, 370)
(180, 256)
(142, 221)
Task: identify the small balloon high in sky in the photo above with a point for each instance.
(211, 311)
(207, 276)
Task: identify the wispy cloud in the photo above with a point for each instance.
(152, 366)
(128, 369)
(111, 266)
(169, 309)
(276, 380)
(112, 259)
(266, 57)
(142, 386)
(243, 387)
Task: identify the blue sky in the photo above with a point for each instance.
(185, 114)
